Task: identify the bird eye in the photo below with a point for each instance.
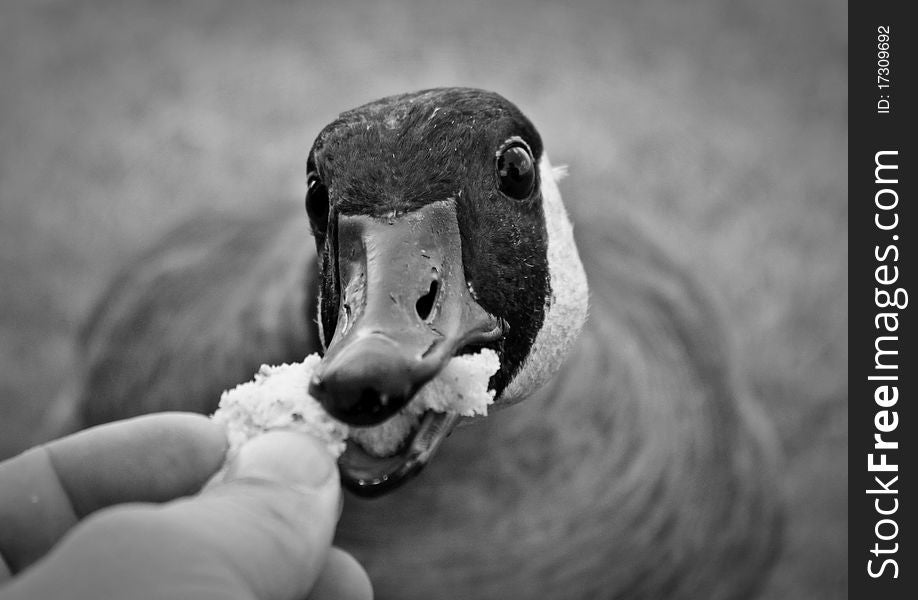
(516, 171)
(317, 204)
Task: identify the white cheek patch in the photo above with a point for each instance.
(566, 305)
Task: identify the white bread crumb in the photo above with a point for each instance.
(278, 398)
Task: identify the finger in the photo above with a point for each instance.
(153, 458)
(343, 578)
(283, 498)
(47, 490)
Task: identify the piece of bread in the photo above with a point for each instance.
(278, 398)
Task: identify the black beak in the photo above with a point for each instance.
(405, 311)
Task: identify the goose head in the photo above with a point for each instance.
(440, 231)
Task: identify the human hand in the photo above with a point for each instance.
(80, 517)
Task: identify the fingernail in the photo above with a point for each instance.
(286, 457)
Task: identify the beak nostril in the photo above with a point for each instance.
(425, 303)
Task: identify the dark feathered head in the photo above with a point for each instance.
(440, 231)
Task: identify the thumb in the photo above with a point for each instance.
(272, 519)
